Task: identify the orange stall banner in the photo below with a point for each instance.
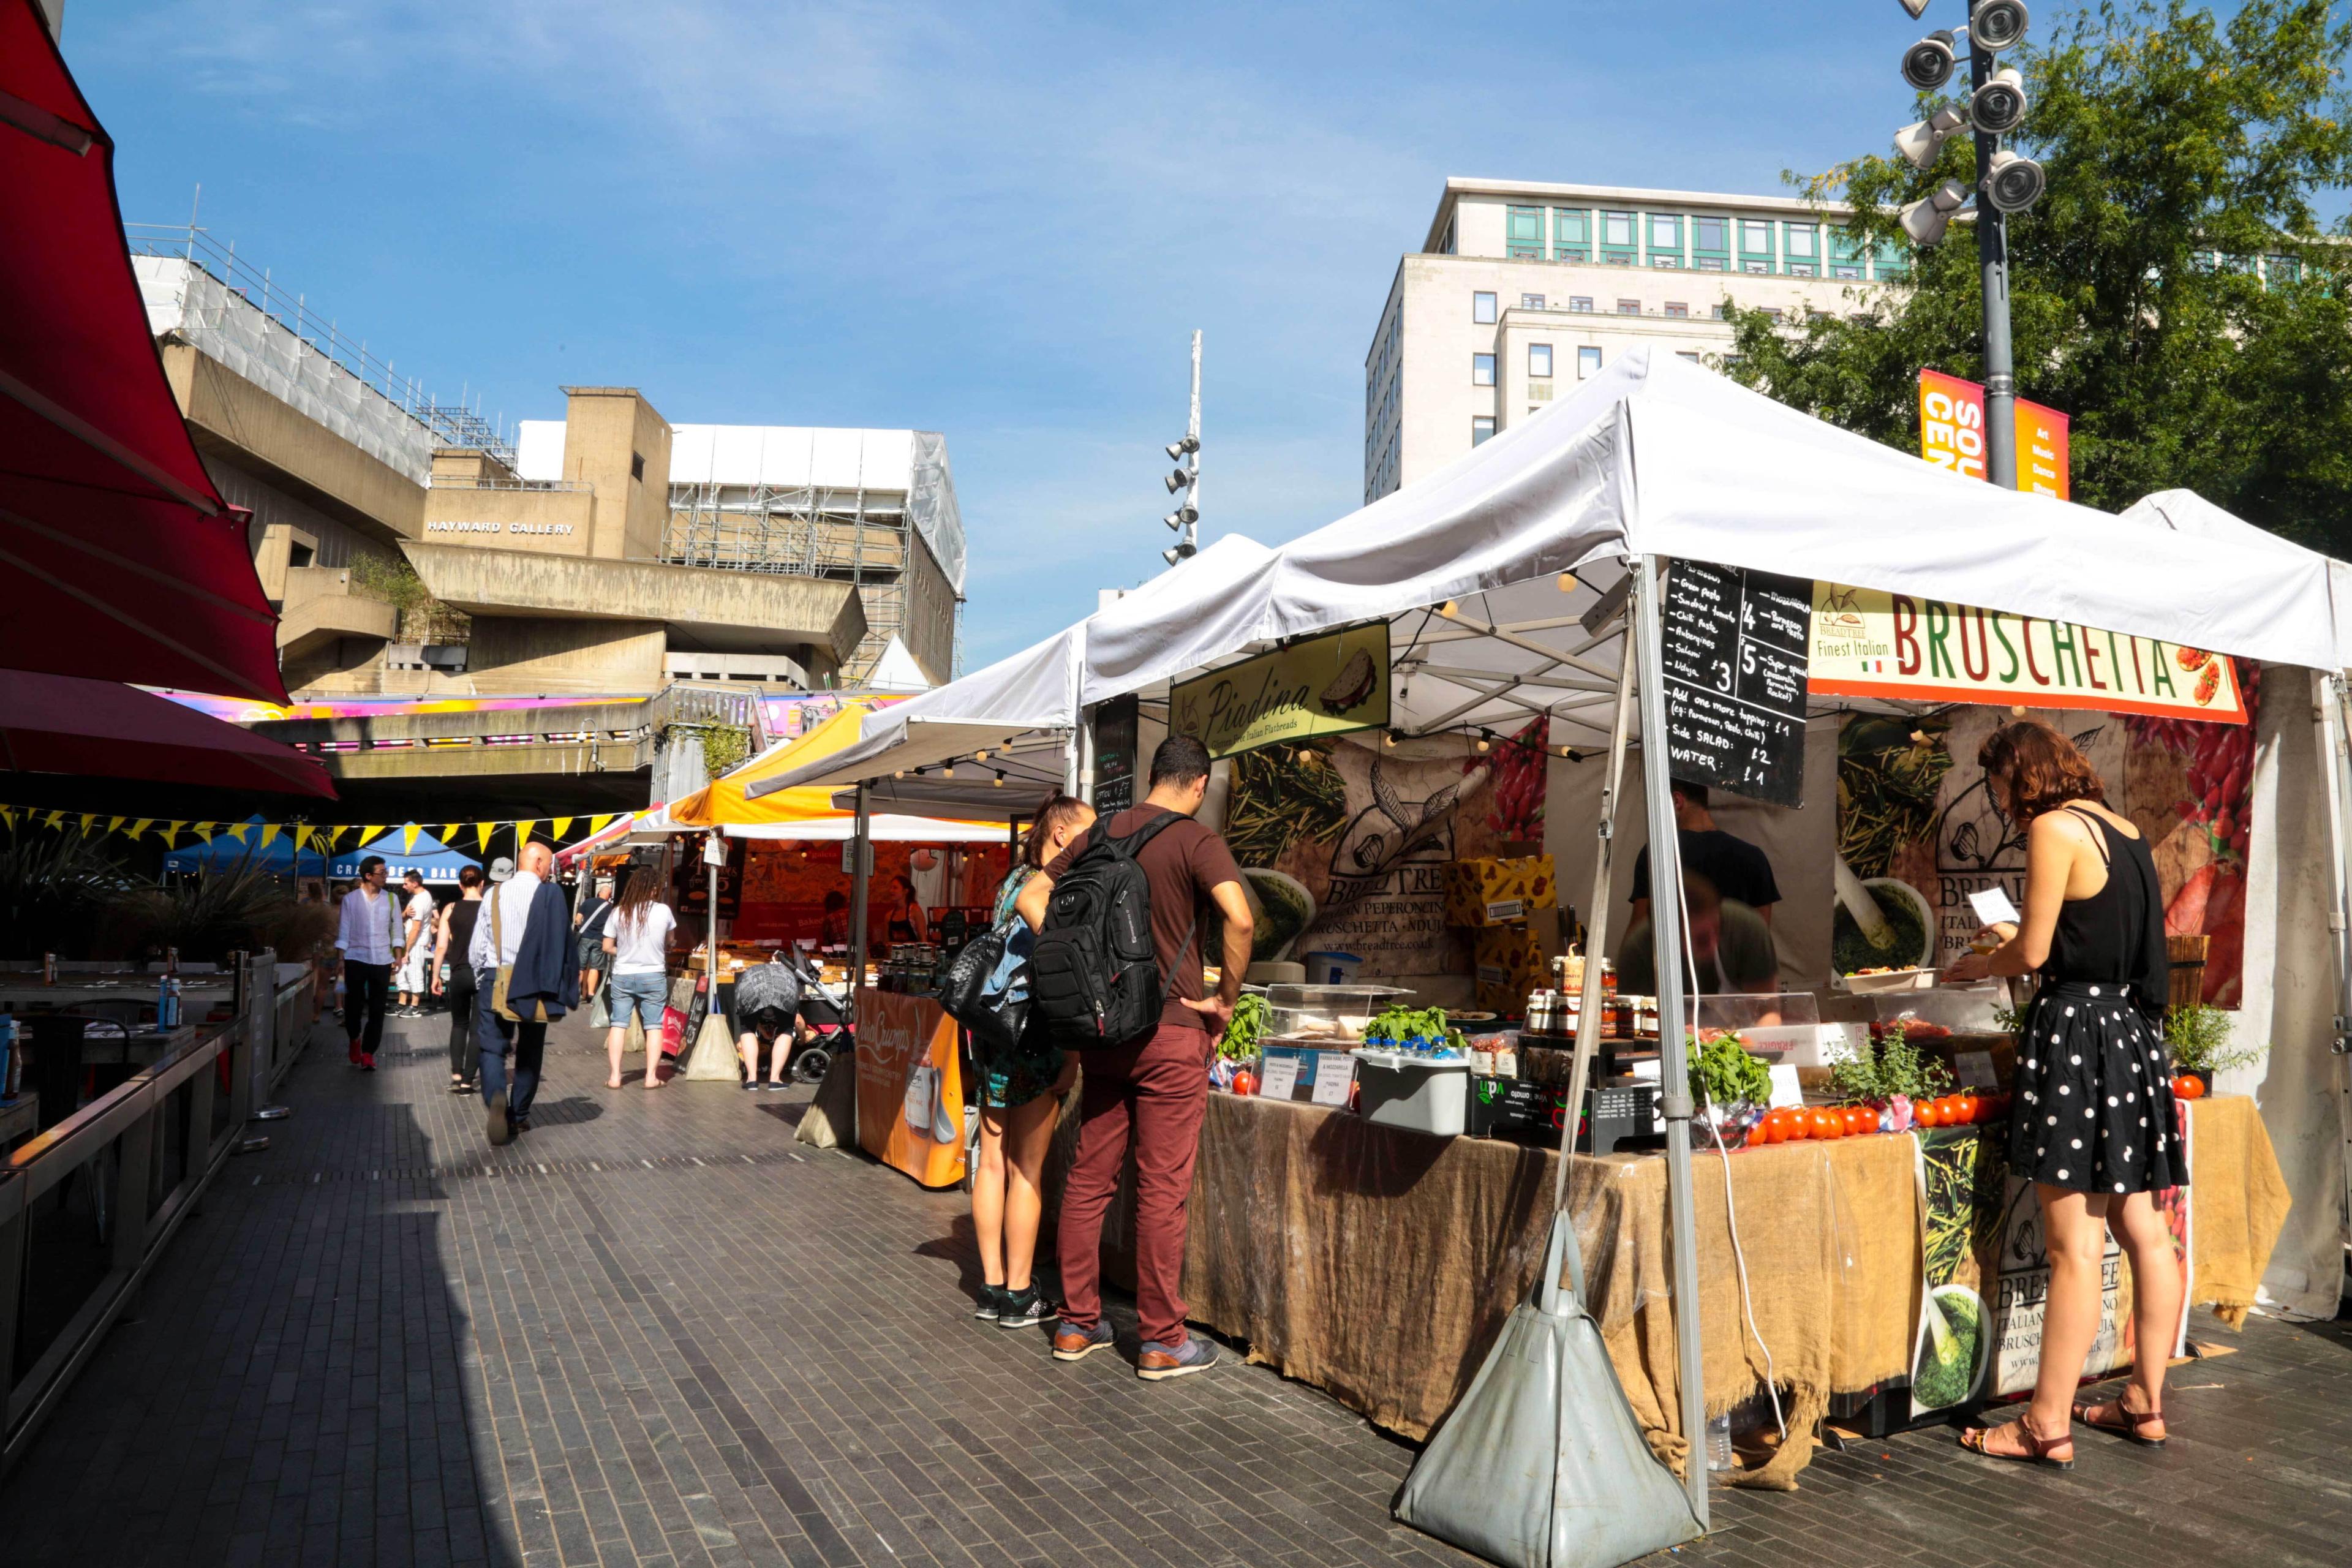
(909, 1086)
(1951, 435)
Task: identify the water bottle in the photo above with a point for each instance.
(8, 1055)
(1719, 1443)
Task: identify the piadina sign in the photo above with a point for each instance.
(1870, 644)
(1324, 685)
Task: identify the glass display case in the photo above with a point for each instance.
(1316, 1015)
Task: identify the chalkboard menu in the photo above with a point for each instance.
(1735, 647)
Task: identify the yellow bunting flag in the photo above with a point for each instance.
(449, 831)
(87, 818)
(269, 834)
(237, 831)
(303, 831)
(408, 838)
(139, 828)
(8, 815)
(563, 826)
(598, 823)
(370, 834)
(114, 823)
(54, 819)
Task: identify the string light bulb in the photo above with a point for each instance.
(1000, 778)
(1484, 741)
(1389, 740)
(980, 756)
(948, 772)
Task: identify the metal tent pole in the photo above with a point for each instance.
(1673, 1056)
(1596, 929)
(2335, 735)
(859, 852)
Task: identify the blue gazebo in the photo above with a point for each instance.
(228, 852)
(422, 854)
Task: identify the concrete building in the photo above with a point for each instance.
(658, 574)
(1523, 287)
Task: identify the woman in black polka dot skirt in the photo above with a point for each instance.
(2093, 1125)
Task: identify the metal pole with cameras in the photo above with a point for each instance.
(1186, 519)
(2007, 182)
(1992, 262)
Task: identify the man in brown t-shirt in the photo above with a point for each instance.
(1155, 1092)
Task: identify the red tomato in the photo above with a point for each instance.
(1923, 1114)
(1245, 1082)
(1773, 1129)
(1859, 1120)
(1971, 1110)
(1796, 1126)
(1827, 1124)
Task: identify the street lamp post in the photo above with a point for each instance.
(2007, 181)
(1992, 262)
(1186, 519)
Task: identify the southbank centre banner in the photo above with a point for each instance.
(1325, 685)
(1870, 644)
(1951, 435)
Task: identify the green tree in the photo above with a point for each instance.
(2179, 149)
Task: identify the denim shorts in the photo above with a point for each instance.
(645, 994)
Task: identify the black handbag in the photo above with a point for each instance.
(995, 1021)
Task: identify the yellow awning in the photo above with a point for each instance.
(722, 803)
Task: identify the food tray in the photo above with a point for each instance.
(1323, 1015)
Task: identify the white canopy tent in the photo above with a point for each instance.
(1503, 575)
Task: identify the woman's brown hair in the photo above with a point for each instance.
(1057, 811)
(2044, 769)
(638, 885)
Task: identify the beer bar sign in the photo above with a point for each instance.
(1865, 643)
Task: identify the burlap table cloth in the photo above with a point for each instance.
(2238, 1201)
(1380, 1265)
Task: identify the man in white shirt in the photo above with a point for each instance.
(417, 952)
(367, 941)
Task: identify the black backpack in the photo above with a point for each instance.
(1094, 980)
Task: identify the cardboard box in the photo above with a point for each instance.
(1510, 964)
(1489, 893)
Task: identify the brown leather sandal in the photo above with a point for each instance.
(2037, 1447)
(2131, 1428)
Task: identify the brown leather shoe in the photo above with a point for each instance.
(1159, 1362)
(1076, 1344)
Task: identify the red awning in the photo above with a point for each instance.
(117, 558)
(66, 724)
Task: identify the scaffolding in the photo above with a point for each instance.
(858, 536)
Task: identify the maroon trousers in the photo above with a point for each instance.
(1152, 1094)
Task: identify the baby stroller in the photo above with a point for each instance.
(825, 1009)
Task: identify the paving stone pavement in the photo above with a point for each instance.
(655, 1330)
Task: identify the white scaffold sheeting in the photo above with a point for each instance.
(184, 300)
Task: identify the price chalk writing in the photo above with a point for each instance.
(1736, 646)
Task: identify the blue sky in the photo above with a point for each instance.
(998, 221)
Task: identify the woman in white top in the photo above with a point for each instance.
(637, 936)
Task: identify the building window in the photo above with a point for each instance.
(1582, 303)
(637, 466)
(1523, 233)
(1713, 263)
(1481, 369)
(1482, 309)
(1617, 230)
(1803, 269)
(1804, 242)
(1617, 258)
(1570, 228)
(1539, 359)
(1690, 354)
(1772, 313)
(1532, 302)
(1567, 253)
(1756, 266)
(1678, 310)
(1710, 234)
(1629, 307)
(1755, 240)
(1482, 426)
(1588, 360)
(1847, 269)
(1715, 312)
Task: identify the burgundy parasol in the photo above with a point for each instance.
(69, 724)
(117, 558)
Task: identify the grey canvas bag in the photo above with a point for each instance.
(1542, 1465)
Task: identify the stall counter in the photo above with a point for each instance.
(909, 1086)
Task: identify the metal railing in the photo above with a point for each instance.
(88, 1206)
(452, 425)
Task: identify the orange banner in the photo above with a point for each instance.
(1952, 431)
(910, 1088)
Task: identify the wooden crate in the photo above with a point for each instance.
(2187, 954)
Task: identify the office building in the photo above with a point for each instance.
(1521, 289)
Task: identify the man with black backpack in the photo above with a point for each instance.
(1115, 974)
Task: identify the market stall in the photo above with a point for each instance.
(1445, 641)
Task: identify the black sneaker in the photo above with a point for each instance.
(1022, 1308)
(991, 1304)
